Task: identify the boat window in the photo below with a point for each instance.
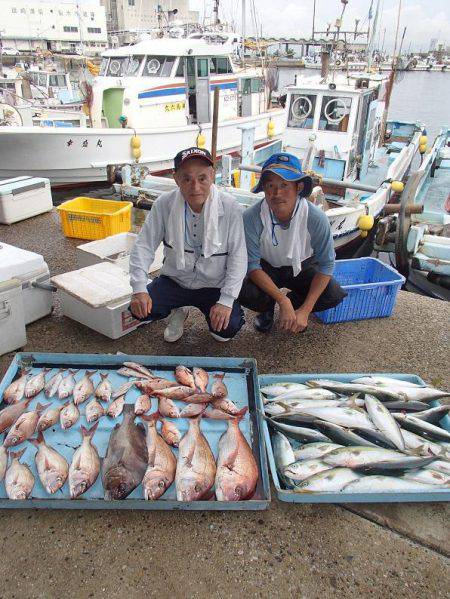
(132, 66)
(123, 66)
(301, 111)
(202, 67)
(155, 66)
(223, 65)
(57, 81)
(246, 86)
(212, 66)
(334, 114)
(256, 85)
(104, 66)
(167, 67)
(180, 68)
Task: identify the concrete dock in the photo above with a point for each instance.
(305, 551)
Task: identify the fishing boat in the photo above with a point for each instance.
(158, 93)
(419, 240)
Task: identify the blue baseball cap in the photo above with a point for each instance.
(289, 168)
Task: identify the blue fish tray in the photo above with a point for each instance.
(240, 378)
(371, 287)
(290, 496)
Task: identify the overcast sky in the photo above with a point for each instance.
(424, 19)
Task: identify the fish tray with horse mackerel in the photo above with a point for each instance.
(91, 431)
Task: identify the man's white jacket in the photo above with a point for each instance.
(224, 269)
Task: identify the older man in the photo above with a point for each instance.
(205, 258)
(290, 245)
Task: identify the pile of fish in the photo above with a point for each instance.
(373, 434)
(137, 453)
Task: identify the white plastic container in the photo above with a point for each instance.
(115, 249)
(24, 197)
(28, 268)
(12, 322)
(113, 320)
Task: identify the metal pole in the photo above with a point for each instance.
(215, 124)
(313, 19)
(244, 10)
(372, 39)
(1, 55)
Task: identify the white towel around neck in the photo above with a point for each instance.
(176, 226)
(294, 244)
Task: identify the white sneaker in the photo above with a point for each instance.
(174, 330)
(219, 338)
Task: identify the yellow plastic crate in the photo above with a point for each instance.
(90, 218)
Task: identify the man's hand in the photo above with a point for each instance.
(220, 317)
(301, 319)
(141, 304)
(287, 317)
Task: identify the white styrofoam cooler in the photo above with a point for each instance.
(98, 296)
(115, 249)
(23, 197)
(12, 323)
(28, 268)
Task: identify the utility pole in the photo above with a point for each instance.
(314, 18)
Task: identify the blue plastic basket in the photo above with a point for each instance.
(372, 288)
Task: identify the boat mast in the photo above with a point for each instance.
(370, 47)
(216, 12)
(244, 10)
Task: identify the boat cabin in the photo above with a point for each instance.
(334, 126)
(170, 82)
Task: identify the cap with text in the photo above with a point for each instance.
(190, 153)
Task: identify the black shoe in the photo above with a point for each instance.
(264, 321)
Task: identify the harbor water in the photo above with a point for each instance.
(420, 96)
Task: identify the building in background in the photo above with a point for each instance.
(54, 26)
(126, 18)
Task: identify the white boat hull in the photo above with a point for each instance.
(82, 155)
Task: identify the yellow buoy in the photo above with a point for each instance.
(270, 128)
(236, 174)
(135, 141)
(397, 186)
(137, 153)
(423, 139)
(423, 148)
(201, 140)
(365, 223)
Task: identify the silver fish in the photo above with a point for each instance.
(35, 385)
(201, 379)
(373, 457)
(342, 435)
(407, 406)
(312, 451)
(51, 387)
(103, 390)
(84, 388)
(168, 408)
(49, 418)
(68, 415)
(384, 381)
(122, 390)
(115, 408)
(280, 388)
(85, 466)
(184, 376)
(162, 463)
(303, 469)
(282, 451)
(126, 458)
(300, 433)
(300, 394)
(237, 471)
(422, 427)
(15, 391)
(423, 446)
(429, 477)
(128, 372)
(170, 433)
(66, 386)
(219, 389)
(342, 416)
(433, 415)
(139, 368)
(441, 466)
(386, 484)
(352, 388)
(52, 467)
(24, 426)
(3, 461)
(412, 391)
(94, 411)
(19, 480)
(384, 421)
(329, 481)
(142, 404)
(196, 466)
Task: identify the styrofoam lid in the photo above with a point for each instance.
(15, 262)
